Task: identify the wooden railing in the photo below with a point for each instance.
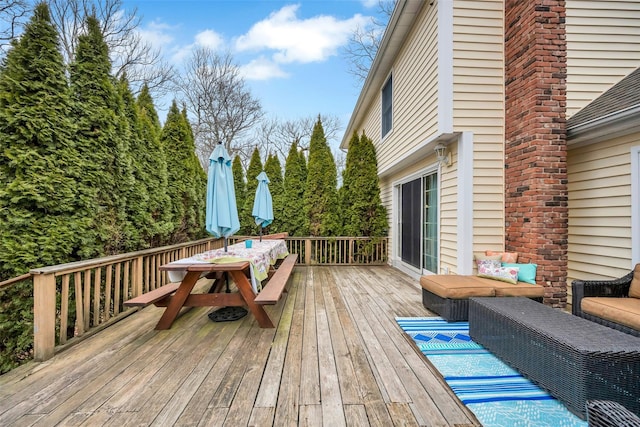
(74, 300)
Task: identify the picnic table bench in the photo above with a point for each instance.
(276, 285)
(175, 296)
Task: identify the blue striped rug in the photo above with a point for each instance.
(497, 394)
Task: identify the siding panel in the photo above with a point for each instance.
(600, 209)
(603, 46)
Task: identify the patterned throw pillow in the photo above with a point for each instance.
(509, 257)
(488, 261)
(504, 274)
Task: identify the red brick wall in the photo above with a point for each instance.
(536, 211)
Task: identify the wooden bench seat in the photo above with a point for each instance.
(152, 296)
(276, 285)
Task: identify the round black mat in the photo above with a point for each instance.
(228, 314)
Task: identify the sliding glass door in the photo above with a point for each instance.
(419, 223)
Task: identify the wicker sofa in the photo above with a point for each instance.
(448, 294)
(613, 303)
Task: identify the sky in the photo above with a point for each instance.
(289, 53)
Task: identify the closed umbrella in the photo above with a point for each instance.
(262, 204)
(222, 215)
(222, 211)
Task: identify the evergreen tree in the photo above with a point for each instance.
(102, 138)
(273, 169)
(183, 176)
(295, 181)
(363, 214)
(321, 196)
(153, 163)
(247, 221)
(197, 227)
(41, 207)
(137, 208)
(302, 160)
(238, 182)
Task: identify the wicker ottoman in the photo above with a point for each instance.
(604, 413)
(574, 359)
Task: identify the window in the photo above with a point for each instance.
(387, 106)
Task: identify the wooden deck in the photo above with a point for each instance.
(336, 357)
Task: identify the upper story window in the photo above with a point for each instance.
(387, 106)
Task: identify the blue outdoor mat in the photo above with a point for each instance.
(497, 394)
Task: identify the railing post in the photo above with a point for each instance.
(307, 251)
(138, 281)
(44, 316)
(350, 256)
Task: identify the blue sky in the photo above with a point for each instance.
(289, 52)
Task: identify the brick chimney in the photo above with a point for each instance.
(536, 211)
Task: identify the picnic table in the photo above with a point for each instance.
(247, 267)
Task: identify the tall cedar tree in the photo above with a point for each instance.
(321, 195)
(363, 212)
(247, 221)
(197, 228)
(41, 211)
(295, 181)
(153, 162)
(103, 143)
(238, 181)
(273, 169)
(137, 208)
(183, 175)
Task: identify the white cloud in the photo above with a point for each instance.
(299, 40)
(210, 39)
(262, 69)
(206, 38)
(157, 34)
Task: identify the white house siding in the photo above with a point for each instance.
(478, 94)
(603, 46)
(600, 209)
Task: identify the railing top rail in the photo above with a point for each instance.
(95, 262)
(15, 280)
(98, 262)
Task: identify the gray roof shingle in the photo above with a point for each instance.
(623, 95)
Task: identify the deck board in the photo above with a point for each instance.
(336, 357)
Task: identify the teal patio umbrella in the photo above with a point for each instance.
(222, 212)
(262, 204)
(222, 215)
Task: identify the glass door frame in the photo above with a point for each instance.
(397, 235)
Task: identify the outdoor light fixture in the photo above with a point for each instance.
(442, 155)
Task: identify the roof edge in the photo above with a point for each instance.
(400, 24)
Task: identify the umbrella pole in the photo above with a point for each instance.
(261, 233)
(226, 276)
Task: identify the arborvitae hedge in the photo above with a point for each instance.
(102, 138)
(184, 178)
(137, 208)
(69, 188)
(153, 162)
(42, 218)
(363, 213)
(321, 196)
(295, 182)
